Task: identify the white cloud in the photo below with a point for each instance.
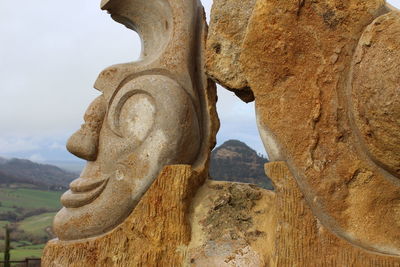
(395, 3)
(51, 54)
(237, 120)
(13, 145)
(57, 146)
(37, 158)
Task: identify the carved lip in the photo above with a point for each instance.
(85, 184)
(83, 191)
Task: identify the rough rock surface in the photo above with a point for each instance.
(237, 224)
(301, 239)
(376, 90)
(231, 225)
(325, 79)
(227, 28)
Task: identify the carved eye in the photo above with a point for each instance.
(132, 113)
(137, 116)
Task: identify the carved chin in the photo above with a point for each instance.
(97, 210)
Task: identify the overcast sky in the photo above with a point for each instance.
(51, 53)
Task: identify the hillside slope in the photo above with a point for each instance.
(28, 172)
(232, 161)
(235, 161)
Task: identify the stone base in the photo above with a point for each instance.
(227, 224)
(155, 234)
(301, 240)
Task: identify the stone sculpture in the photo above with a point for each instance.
(325, 78)
(149, 115)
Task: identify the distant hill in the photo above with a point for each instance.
(22, 171)
(232, 161)
(235, 161)
(75, 166)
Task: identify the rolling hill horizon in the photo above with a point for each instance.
(233, 161)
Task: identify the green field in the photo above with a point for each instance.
(21, 254)
(22, 243)
(37, 225)
(25, 252)
(22, 201)
(2, 224)
(28, 199)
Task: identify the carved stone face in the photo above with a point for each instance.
(127, 138)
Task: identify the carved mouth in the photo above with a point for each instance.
(83, 191)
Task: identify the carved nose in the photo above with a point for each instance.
(84, 143)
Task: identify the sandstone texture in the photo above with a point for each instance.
(301, 239)
(227, 29)
(236, 224)
(376, 89)
(325, 77)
